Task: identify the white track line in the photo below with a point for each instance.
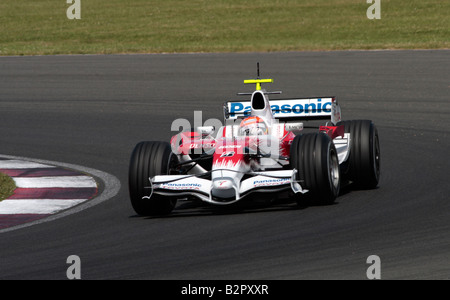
(39, 206)
(20, 164)
(55, 182)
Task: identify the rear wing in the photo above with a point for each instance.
(325, 108)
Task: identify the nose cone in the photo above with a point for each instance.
(223, 188)
(222, 184)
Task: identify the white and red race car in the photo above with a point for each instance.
(263, 147)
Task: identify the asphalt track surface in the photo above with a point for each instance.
(92, 110)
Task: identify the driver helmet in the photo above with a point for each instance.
(253, 126)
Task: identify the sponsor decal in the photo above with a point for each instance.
(230, 146)
(287, 107)
(180, 186)
(271, 182)
(199, 145)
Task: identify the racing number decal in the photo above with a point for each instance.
(228, 154)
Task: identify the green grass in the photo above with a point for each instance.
(30, 27)
(7, 186)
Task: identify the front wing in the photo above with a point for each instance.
(195, 185)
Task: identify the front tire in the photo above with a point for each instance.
(148, 160)
(314, 156)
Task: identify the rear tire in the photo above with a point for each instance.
(363, 164)
(314, 156)
(148, 160)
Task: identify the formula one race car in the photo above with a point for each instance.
(263, 148)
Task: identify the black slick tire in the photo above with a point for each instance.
(149, 159)
(314, 157)
(363, 164)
